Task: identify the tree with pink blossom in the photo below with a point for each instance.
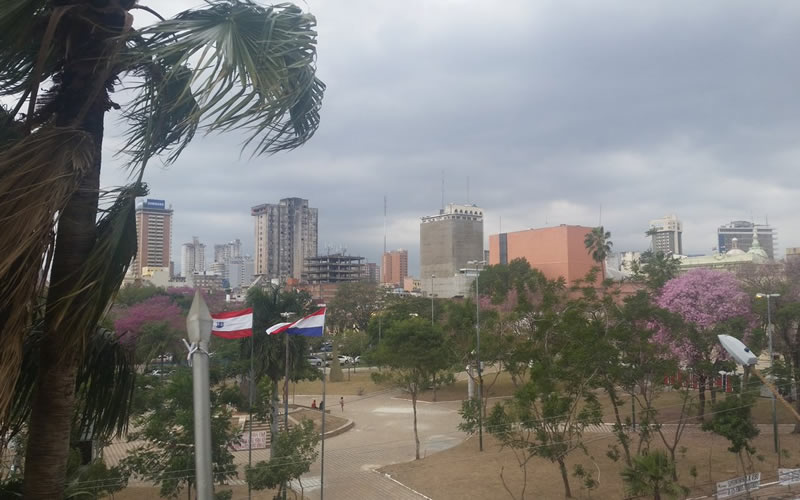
(710, 303)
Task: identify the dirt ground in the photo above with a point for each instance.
(463, 472)
(359, 383)
(331, 421)
(239, 493)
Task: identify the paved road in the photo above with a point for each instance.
(383, 435)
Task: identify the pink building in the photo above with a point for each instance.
(555, 251)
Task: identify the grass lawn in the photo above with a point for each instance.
(464, 472)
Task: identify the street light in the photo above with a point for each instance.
(771, 363)
(477, 264)
(198, 328)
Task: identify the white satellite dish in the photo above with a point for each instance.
(738, 351)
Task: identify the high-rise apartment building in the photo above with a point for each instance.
(742, 230)
(371, 272)
(394, 267)
(448, 241)
(285, 235)
(193, 257)
(667, 235)
(153, 235)
(228, 251)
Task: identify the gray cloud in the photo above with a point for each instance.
(551, 109)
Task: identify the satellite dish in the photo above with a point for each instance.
(738, 351)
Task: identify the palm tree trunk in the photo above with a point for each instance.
(78, 98)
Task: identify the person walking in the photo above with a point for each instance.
(341, 403)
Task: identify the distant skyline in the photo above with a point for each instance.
(551, 109)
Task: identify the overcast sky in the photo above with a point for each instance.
(552, 109)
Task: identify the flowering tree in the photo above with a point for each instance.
(160, 308)
(710, 303)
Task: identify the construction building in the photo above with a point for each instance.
(335, 268)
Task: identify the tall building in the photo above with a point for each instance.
(193, 257)
(394, 266)
(371, 272)
(285, 235)
(667, 235)
(557, 251)
(228, 251)
(239, 272)
(742, 230)
(153, 235)
(448, 241)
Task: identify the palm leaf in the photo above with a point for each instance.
(254, 68)
(22, 26)
(38, 174)
(105, 385)
(94, 287)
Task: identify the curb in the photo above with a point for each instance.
(390, 478)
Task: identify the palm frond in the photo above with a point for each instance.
(38, 174)
(254, 67)
(94, 287)
(104, 385)
(22, 26)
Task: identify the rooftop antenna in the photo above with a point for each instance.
(501, 225)
(442, 190)
(384, 223)
(601, 216)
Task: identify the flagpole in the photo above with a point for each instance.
(286, 404)
(250, 437)
(322, 451)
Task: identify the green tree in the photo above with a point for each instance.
(255, 68)
(732, 420)
(549, 414)
(651, 475)
(353, 306)
(167, 456)
(654, 269)
(294, 453)
(411, 352)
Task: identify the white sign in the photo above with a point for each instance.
(789, 476)
(736, 486)
(259, 441)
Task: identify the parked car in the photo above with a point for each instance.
(345, 360)
(357, 360)
(314, 361)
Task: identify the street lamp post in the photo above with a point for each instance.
(771, 365)
(477, 264)
(285, 316)
(198, 328)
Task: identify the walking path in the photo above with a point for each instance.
(383, 435)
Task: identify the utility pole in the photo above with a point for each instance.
(772, 366)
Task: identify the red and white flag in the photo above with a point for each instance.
(233, 324)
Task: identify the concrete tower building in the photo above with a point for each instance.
(743, 231)
(448, 241)
(285, 235)
(667, 235)
(153, 236)
(193, 257)
(394, 267)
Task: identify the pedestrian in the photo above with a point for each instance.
(341, 403)
(322, 406)
(314, 404)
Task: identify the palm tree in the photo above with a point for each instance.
(651, 476)
(228, 65)
(598, 244)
